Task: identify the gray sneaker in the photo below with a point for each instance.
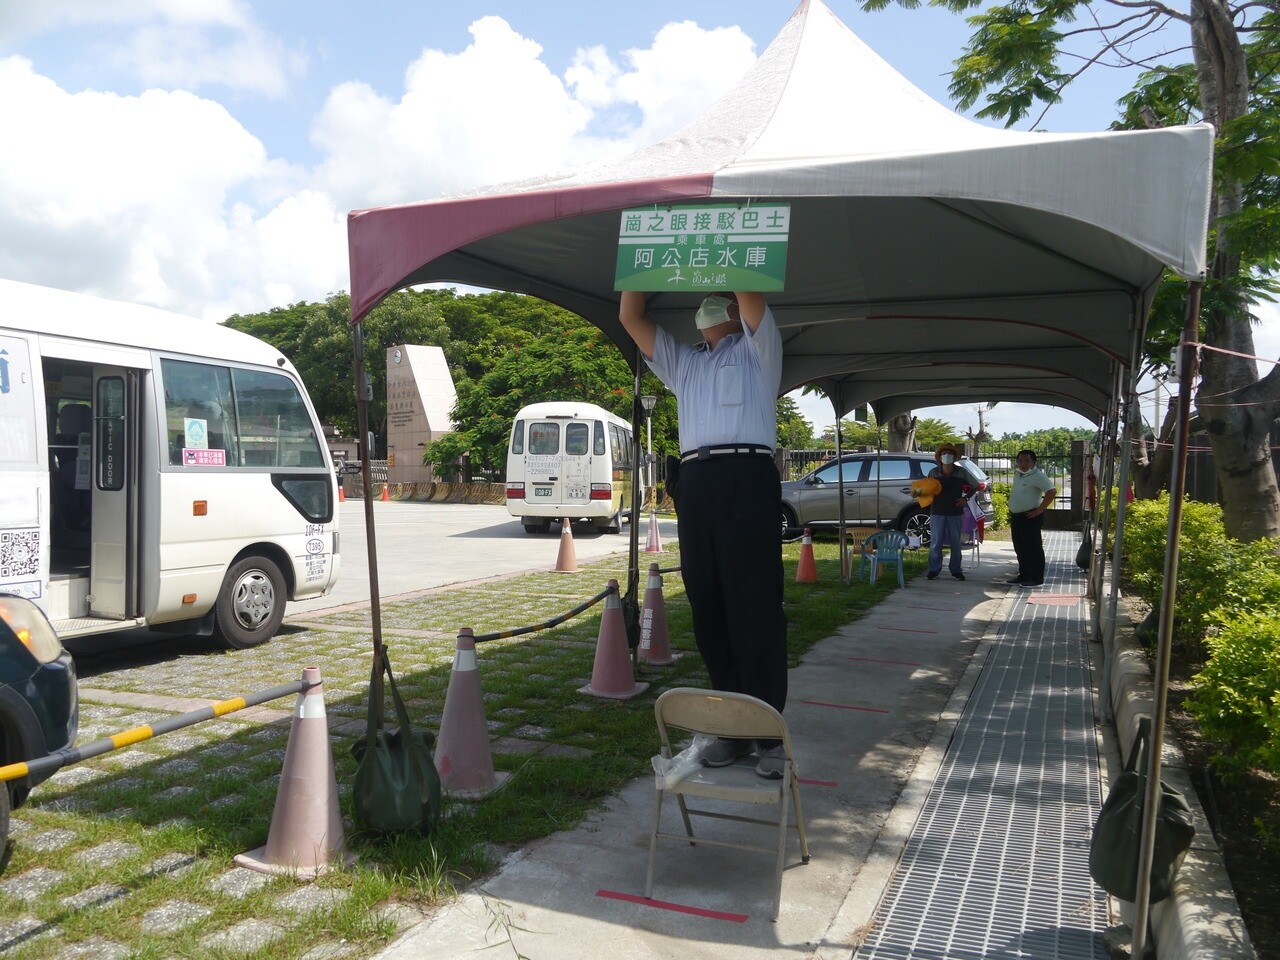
(725, 751)
(771, 763)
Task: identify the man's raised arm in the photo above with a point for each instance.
(636, 322)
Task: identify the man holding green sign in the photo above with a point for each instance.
(728, 499)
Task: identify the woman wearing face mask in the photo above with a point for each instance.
(1032, 493)
(946, 511)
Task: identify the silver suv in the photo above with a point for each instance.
(876, 492)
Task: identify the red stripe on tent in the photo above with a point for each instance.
(900, 663)
(387, 245)
(677, 907)
(843, 706)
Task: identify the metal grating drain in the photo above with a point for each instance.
(997, 864)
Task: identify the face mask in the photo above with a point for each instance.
(948, 458)
(1023, 473)
(713, 312)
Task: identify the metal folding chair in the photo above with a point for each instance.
(721, 714)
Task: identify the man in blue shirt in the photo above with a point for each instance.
(728, 498)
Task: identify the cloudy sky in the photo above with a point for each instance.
(202, 155)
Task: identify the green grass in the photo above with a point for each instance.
(204, 794)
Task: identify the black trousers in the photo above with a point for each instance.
(728, 510)
(1028, 545)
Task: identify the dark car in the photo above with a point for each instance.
(39, 705)
(876, 492)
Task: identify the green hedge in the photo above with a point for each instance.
(1227, 616)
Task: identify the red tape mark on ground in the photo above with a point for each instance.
(817, 783)
(1055, 599)
(844, 706)
(677, 907)
(908, 630)
(900, 663)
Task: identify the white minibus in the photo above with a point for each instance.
(569, 461)
(156, 470)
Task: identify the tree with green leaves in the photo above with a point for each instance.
(794, 431)
(1021, 56)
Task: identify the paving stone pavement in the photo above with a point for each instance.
(124, 828)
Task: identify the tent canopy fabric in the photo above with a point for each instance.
(931, 259)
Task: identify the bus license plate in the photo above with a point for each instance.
(542, 491)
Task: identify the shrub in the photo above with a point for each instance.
(1212, 567)
(1000, 504)
(1237, 694)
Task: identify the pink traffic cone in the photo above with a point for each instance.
(567, 558)
(655, 542)
(655, 644)
(806, 571)
(462, 749)
(611, 674)
(305, 839)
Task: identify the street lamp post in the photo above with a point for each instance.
(648, 402)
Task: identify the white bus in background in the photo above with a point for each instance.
(569, 461)
(156, 470)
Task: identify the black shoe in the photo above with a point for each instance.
(724, 752)
(931, 575)
(958, 576)
(1031, 583)
(1014, 581)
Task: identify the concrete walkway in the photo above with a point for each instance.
(872, 710)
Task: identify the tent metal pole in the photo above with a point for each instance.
(364, 393)
(1187, 363)
(1132, 416)
(845, 566)
(1098, 566)
(630, 602)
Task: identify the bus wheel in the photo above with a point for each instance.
(612, 525)
(250, 607)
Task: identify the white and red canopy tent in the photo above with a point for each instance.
(931, 260)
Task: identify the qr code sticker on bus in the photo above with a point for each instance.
(19, 553)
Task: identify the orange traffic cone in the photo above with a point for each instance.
(806, 572)
(611, 674)
(305, 839)
(386, 494)
(567, 558)
(342, 494)
(655, 542)
(463, 757)
(655, 644)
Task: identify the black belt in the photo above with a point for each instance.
(725, 449)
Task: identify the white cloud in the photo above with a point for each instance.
(126, 196)
(495, 112)
(166, 198)
(170, 43)
(175, 55)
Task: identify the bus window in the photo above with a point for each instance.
(110, 426)
(577, 437)
(619, 447)
(275, 428)
(599, 448)
(223, 416)
(197, 397)
(544, 438)
(517, 437)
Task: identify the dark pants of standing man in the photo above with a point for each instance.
(728, 512)
(1028, 545)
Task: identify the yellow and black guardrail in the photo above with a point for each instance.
(69, 755)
